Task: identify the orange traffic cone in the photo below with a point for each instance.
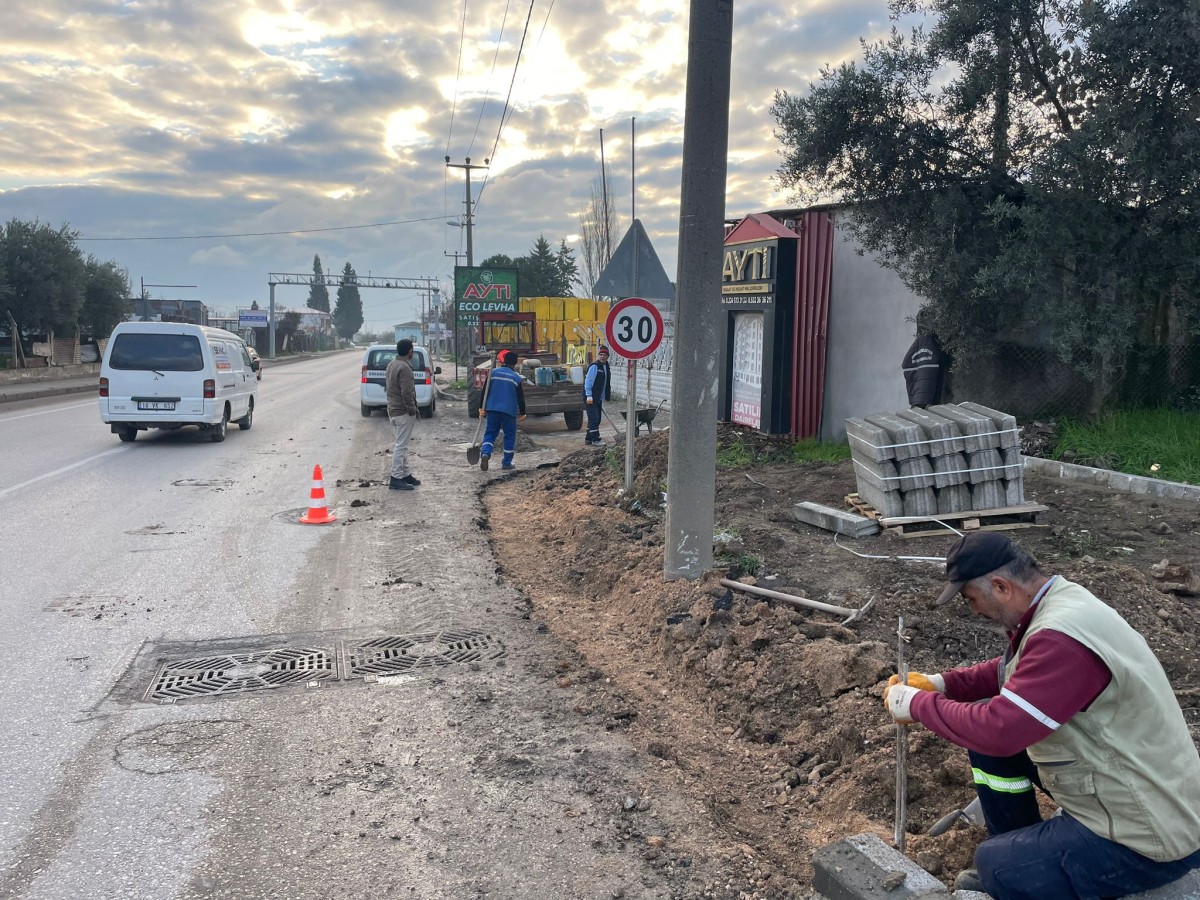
(318, 512)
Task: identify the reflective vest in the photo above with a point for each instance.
(1126, 766)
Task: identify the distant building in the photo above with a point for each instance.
(410, 330)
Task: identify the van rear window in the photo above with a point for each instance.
(379, 359)
(156, 352)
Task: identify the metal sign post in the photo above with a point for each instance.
(635, 329)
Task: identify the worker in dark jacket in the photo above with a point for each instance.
(1078, 706)
(924, 367)
(504, 405)
(597, 387)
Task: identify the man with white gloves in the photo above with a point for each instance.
(1079, 707)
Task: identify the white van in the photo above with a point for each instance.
(171, 374)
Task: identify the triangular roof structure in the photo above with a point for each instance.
(634, 270)
(758, 227)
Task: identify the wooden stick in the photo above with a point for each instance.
(788, 598)
(901, 747)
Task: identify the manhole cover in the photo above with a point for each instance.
(406, 653)
(238, 673)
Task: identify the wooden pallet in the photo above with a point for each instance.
(1004, 518)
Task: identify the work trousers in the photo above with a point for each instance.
(497, 422)
(593, 419)
(403, 426)
(1026, 858)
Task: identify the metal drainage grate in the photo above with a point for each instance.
(238, 673)
(412, 652)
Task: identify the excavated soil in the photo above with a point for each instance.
(770, 716)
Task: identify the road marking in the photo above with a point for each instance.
(75, 465)
(47, 412)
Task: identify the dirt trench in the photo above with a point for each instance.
(771, 717)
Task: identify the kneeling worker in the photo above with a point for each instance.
(1078, 706)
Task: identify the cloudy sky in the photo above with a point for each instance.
(217, 127)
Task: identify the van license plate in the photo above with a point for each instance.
(142, 404)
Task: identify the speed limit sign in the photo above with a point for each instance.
(634, 327)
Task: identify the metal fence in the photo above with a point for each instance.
(1031, 382)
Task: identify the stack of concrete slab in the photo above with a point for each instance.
(949, 458)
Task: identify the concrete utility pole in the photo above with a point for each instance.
(692, 458)
(469, 220)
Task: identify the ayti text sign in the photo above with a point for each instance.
(479, 289)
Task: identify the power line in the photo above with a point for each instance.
(457, 73)
(244, 234)
(516, 65)
(488, 92)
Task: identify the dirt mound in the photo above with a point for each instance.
(772, 716)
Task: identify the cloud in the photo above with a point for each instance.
(169, 120)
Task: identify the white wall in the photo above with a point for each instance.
(868, 337)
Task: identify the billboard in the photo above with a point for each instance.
(482, 289)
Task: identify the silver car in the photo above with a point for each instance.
(372, 394)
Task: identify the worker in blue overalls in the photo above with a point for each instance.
(504, 406)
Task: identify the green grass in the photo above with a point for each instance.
(739, 454)
(1135, 441)
(459, 384)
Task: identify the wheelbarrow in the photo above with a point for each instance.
(643, 417)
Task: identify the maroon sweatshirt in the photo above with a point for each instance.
(1055, 678)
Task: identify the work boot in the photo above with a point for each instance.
(411, 479)
(968, 880)
(483, 461)
(507, 466)
(399, 484)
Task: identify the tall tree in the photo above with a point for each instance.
(568, 269)
(348, 314)
(45, 275)
(597, 228)
(1025, 165)
(106, 299)
(318, 293)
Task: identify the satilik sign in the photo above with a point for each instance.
(483, 289)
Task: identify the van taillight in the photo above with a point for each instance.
(364, 375)
(103, 387)
(210, 389)
(428, 378)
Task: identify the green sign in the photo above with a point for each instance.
(479, 289)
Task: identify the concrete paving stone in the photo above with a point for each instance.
(1011, 436)
(916, 473)
(954, 498)
(1014, 491)
(868, 441)
(987, 495)
(837, 520)
(921, 502)
(881, 475)
(859, 868)
(1013, 460)
(984, 465)
(949, 470)
(908, 439)
(976, 428)
(886, 503)
(943, 434)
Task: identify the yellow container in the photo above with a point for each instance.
(587, 310)
(602, 308)
(554, 308)
(541, 308)
(570, 309)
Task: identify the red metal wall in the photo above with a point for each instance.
(814, 267)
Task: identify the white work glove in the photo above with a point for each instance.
(897, 699)
(922, 682)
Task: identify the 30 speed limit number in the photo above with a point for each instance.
(634, 327)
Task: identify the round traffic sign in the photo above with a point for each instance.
(634, 328)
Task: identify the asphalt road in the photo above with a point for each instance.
(172, 569)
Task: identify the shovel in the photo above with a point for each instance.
(473, 450)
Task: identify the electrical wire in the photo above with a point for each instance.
(492, 75)
(245, 234)
(462, 31)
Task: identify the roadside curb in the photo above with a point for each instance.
(49, 391)
(863, 867)
(1119, 481)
